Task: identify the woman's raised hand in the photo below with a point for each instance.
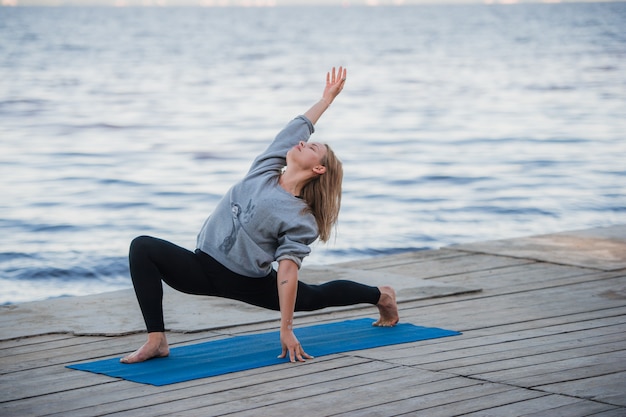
(335, 80)
(334, 84)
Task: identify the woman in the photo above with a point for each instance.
(288, 199)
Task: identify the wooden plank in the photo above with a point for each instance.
(565, 280)
(525, 347)
(610, 389)
(455, 266)
(535, 327)
(478, 403)
(559, 371)
(469, 344)
(339, 396)
(47, 345)
(574, 408)
(76, 400)
(454, 357)
(28, 341)
(531, 406)
(523, 357)
(179, 396)
(44, 381)
(250, 394)
(22, 363)
(619, 412)
(582, 286)
(525, 277)
(477, 313)
(415, 257)
(364, 398)
(67, 381)
(564, 248)
(580, 408)
(419, 401)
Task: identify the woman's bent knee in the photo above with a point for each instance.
(141, 243)
(140, 247)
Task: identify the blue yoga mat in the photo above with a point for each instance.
(239, 353)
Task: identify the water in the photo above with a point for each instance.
(457, 124)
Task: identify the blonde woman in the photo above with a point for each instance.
(289, 198)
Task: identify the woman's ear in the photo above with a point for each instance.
(319, 169)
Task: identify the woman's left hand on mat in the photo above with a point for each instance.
(290, 344)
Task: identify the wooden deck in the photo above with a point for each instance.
(545, 337)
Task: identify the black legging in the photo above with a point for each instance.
(153, 259)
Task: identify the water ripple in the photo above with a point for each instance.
(458, 123)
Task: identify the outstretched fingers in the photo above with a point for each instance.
(295, 353)
(336, 76)
(335, 80)
(343, 72)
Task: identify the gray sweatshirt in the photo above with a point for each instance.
(257, 221)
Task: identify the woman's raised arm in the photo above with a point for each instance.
(334, 84)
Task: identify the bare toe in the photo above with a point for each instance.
(151, 349)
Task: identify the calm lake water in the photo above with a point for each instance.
(457, 124)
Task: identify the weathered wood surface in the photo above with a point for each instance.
(541, 339)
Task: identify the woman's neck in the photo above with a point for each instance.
(293, 183)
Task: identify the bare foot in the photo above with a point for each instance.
(387, 308)
(155, 347)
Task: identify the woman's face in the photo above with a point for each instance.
(306, 156)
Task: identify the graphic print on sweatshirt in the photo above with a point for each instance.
(238, 217)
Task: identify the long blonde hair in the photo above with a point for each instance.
(323, 194)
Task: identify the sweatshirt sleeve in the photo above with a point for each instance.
(274, 157)
(294, 243)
